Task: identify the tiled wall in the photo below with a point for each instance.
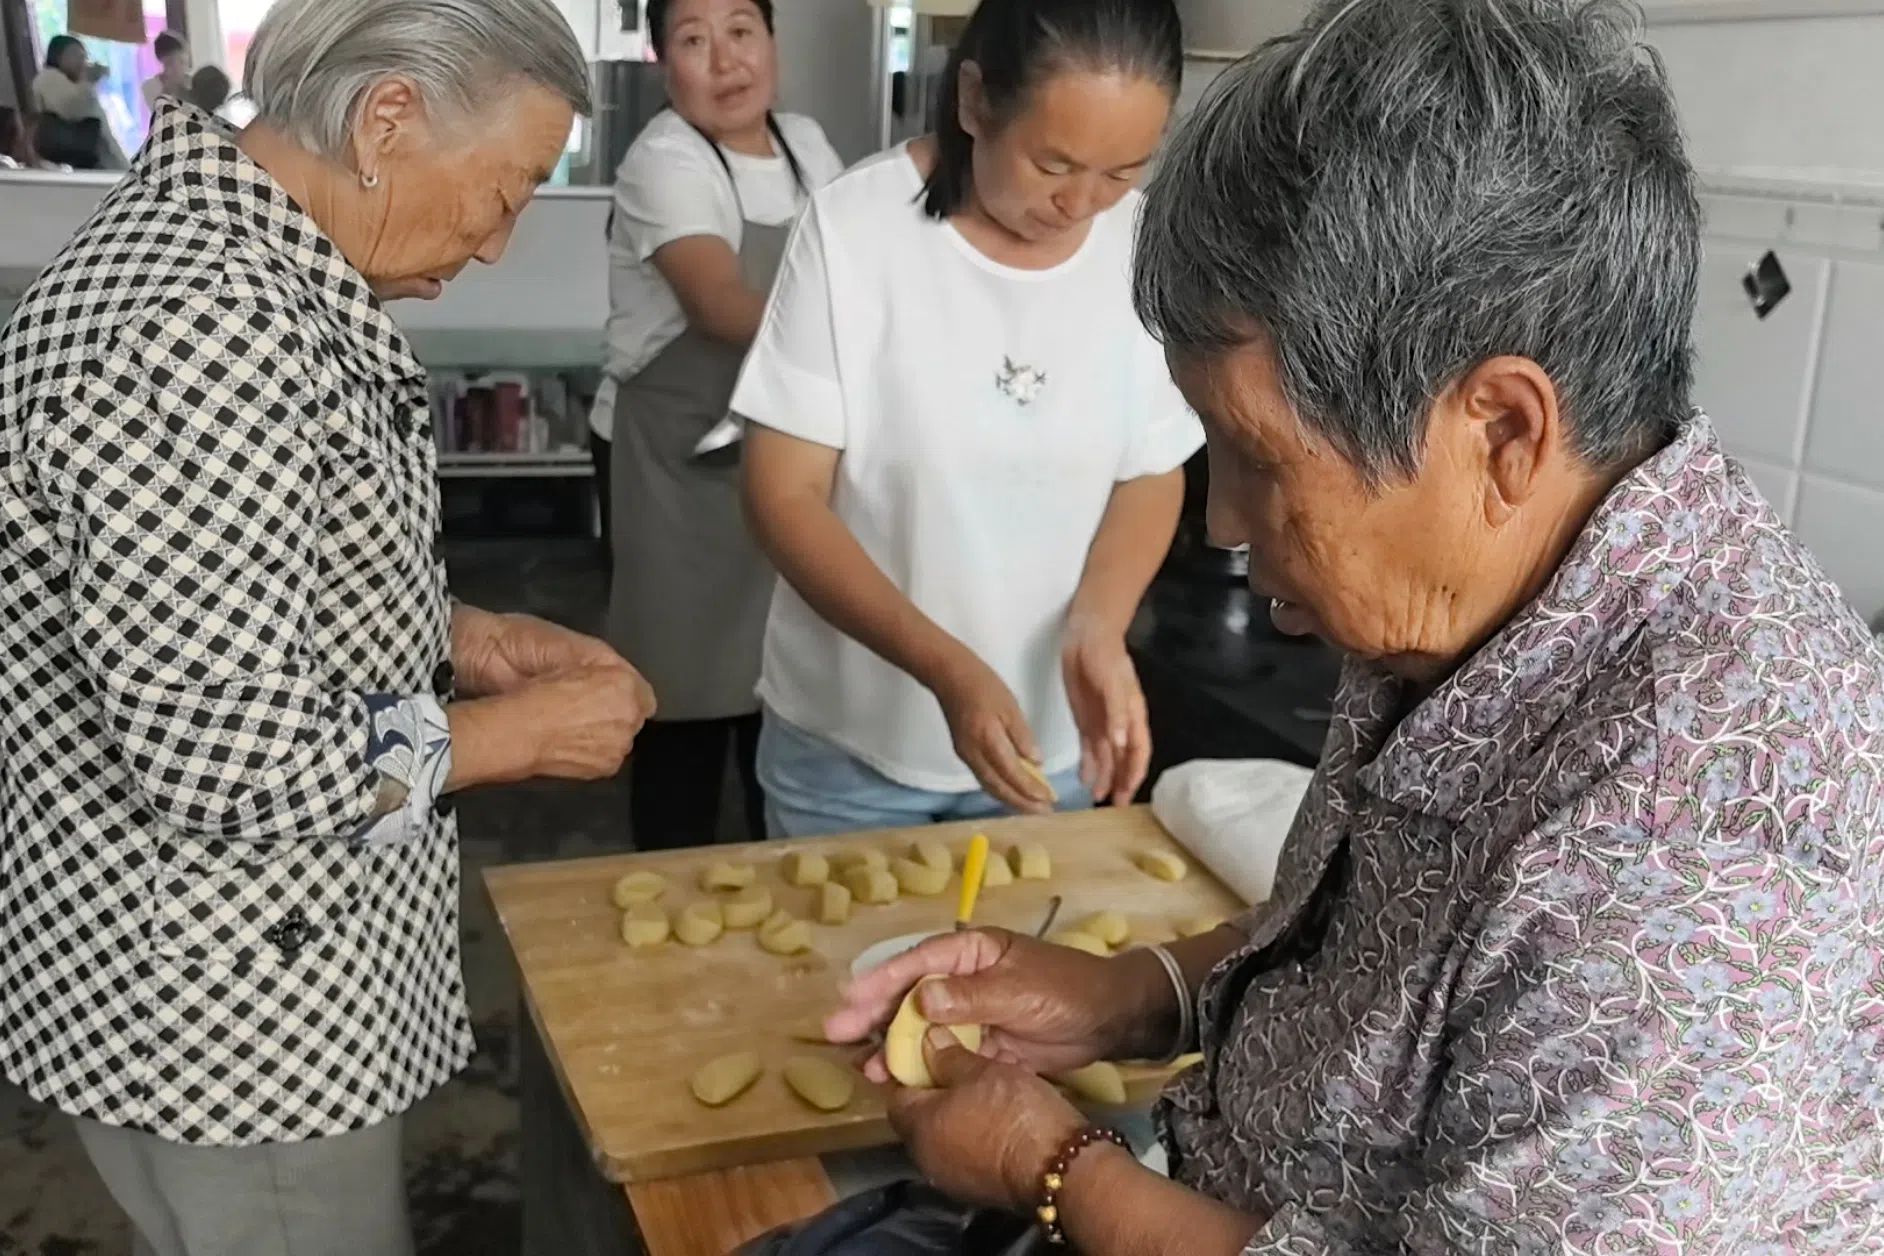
(1799, 396)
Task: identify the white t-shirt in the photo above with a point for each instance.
(671, 186)
(975, 484)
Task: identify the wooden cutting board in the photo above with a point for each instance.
(625, 1029)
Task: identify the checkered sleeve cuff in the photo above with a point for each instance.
(408, 746)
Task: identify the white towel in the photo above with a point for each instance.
(1233, 816)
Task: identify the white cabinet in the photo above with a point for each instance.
(1754, 375)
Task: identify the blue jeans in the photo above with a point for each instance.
(814, 789)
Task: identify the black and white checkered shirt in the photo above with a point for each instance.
(217, 562)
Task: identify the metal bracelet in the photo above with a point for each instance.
(1187, 1004)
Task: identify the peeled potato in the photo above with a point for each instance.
(1197, 926)
(639, 887)
(833, 903)
(996, 872)
(919, 878)
(872, 885)
(1185, 1061)
(1161, 864)
(851, 860)
(783, 935)
(723, 1080)
(820, 1083)
(805, 868)
(747, 908)
(727, 876)
(934, 853)
(1108, 926)
(902, 1042)
(1031, 862)
(699, 923)
(776, 919)
(644, 924)
(1096, 1083)
(1080, 942)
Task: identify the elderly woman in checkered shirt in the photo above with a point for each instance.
(238, 696)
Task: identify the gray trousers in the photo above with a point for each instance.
(342, 1196)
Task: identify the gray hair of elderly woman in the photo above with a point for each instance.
(1403, 189)
(313, 61)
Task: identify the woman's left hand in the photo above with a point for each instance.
(496, 654)
(1109, 710)
(987, 1132)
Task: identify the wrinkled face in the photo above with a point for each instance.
(722, 65)
(1079, 143)
(448, 195)
(1414, 573)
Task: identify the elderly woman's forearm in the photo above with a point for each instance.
(1150, 1013)
(1111, 1205)
(1133, 538)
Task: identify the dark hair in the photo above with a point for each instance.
(657, 39)
(1017, 43)
(166, 44)
(55, 48)
(209, 88)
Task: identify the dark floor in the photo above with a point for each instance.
(461, 1143)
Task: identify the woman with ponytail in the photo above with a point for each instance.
(703, 202)
(964, 453)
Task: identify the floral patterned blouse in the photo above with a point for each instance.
(1584, 954)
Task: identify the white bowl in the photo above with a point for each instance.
(888, 949)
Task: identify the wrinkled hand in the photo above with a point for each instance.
(1047, 1008)
(987, 1132)
(991, 735)
(497, 654)
(583, 721)
(1109, 711)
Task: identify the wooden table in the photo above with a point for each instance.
(621, 1031)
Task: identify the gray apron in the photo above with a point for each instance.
(691, 589)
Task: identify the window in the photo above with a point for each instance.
(128, 65)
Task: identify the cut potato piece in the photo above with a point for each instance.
(699, 923)
(1040, 774)
(902, 1042)
(1161, 864)
(833, 903)
(872, 885)
(723, 1080)
(805, 868)
(996, 872)
(644, 924)
(1108, 926)
(784, 935)
(1031, 862)
(1197, 926)
(727, 876)
(1096, 1083)
(639, 887)
(919, 878)
(934, 853)
(820, 1083)
(747, 908)
(867, 857)
(777, 919)
(1188, 1061)
(1080, 942)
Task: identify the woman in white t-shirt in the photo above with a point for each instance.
(703, 203)
(965, 453)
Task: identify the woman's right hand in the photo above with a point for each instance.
(991, 734)
(575, 725)
(1045, 1007)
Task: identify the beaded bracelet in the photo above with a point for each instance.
(1054, 1178)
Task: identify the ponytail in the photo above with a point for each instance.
(1016, 43)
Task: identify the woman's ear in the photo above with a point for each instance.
(391, 117)
(1507, 407)
(972, 107)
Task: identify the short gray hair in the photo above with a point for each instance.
(1405, 188)
(313, 61)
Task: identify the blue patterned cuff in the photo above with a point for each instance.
(408, 743)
